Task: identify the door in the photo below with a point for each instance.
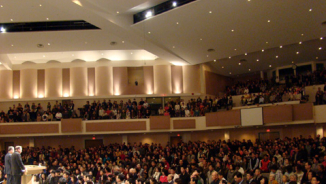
(93, 143)
(263, 136)
(175, 140)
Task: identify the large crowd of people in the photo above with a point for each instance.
(289, 161)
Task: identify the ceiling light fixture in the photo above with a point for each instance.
(47, 18)
(49, 44)
(281, 46)
(207, 55)
(292, 61)
(210, 12)
(310, 9)
(246, 54)
(302, 34)
(12, 45)
(149, 14)
(201, 39)
(235, 49)
(173, 46)
(230, 73)
(222, 66)
(40, 5)
(0, 63)
(320, 48)
(276, 57)
(1, 6)
(321, 38)
(270, 66)
(11, 20)
(123, 41)
(214, 60)
(316, 57)
(118, 12)
(262, 50)
(297, 52)
(2, 30)
(229, 57)
(269, 21)
(239, 63)
(174, 4)
(300, 43)
(266, 42)
(149, 32)
(232, 30)
(249, 69)
(177, 22)
(257, 60)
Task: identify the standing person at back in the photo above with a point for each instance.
(17, 166)
(7, 170)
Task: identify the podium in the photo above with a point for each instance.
(30, 170)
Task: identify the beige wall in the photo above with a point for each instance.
(28, 83)
(177, 79)
(53, 82)
(6, 85)
(159, 138)
(148, 79)
(191, 79)
(162, 79)
(103, 81)
(78, 82)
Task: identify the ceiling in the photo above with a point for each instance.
(239, 29)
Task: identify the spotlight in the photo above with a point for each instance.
(174, 4)
(2, 30)
(148, 14)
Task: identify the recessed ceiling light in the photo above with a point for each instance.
(230, 73)
(262, 50)
(229, 57)
(246, 54)
(292, 61)
(47, 18)
(281, 46)
(320, 48)
(257, 60)
(222, 66)
(149, 32)
(249, 0)
(123, 41)
(270, 65)
(1, 6)
(173, 46)
(269, 21)
(214, 60)
(276, 56)
(300, 43)
(232, 30)
(200, 39)
(239, 63)
(49, 44)
(210, 12)
(207, 55)
(2, 30)
(321, 38)
(177, 22)
(12, 45)
(235, 49)
(249, 69)
(310, 9)
(302, 34)
(11, 20)
(266, 42)
(316, 57)
(174, 4)
(40, 5)
(148, 14)
(118, 12)
(297, 52)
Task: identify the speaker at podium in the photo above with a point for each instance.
(31, 170)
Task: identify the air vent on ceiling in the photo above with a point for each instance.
(211, 50)
(243, 60)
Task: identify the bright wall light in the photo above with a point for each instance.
(41, 96)
(2, 30)
(174, 4)
(77, 2)
(116, 94)
(16, 97)
(150, 92)
(149, 14)
(66, 95)
(91, 94)
(177, 63)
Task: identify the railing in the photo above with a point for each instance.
(259, 116)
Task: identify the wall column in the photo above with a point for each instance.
(320, 130)
(262, 75)
(125, 139)
(31, 142)
(186, 137)
(313, 66)
(227, 135)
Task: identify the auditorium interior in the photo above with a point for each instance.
(83, 74)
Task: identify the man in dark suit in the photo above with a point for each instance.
(17, 166)
(7, 170)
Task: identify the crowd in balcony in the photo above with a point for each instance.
(271, 91)
(289, 161)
